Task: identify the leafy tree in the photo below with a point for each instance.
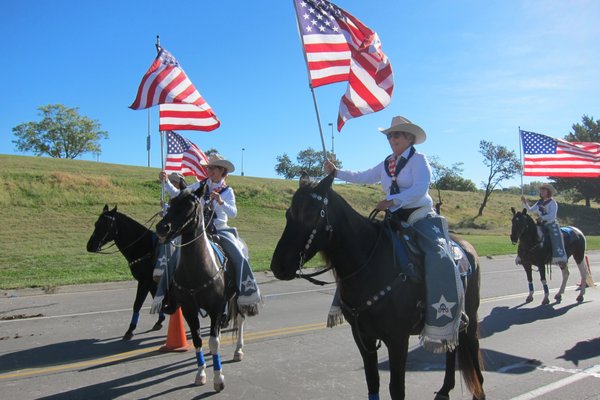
(577, 189)
(61, 133)
(308, 160)
(448, 178)
(502, 164)
(211, 151)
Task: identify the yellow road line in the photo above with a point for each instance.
(225, 340)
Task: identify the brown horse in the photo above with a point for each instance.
(379, 296)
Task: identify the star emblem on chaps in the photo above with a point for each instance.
(436, 230)
(162, 261)
(248, 284)
(443, 308)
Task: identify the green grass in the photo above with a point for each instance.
(48, 208)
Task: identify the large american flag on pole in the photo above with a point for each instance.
(338, 47)
(186, 117)
(165, 82)
(185, 157)
(546, 156)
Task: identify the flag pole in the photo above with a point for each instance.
(162, 145)
(312, 90)
(521, 156)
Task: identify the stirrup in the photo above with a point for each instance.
(464, 322)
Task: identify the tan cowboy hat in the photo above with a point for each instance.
(218, 160)
(548, 187)
(401, 124)
(176, 178)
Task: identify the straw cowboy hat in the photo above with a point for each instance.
(218, 160)
(176, 178)
(401, 124)
(549, 188)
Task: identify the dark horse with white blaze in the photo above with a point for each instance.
(201, 281)
(137, 244)
(379, 300)
(531, 251)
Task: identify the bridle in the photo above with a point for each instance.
(115, 231)
(323, 216)
(194, 218)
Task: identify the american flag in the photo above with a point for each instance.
(187, 117)
(339, 47)
(546, 156)
(165, 82)
(184, 157)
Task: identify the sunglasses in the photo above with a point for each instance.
(398, 134)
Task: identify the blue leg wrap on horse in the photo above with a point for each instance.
(161, 315)
(530, 286)
(546, 289)
(200, 358)
(135, 318)
(216, 362)
(374, 396)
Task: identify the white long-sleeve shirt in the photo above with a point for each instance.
(413, 181)
(546, 210)
(222, 211)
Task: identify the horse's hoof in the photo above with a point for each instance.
(219, 383)
(200, 379)
(558, 298)
(545, 301)
(157, 326)
(127, 335)
(580, 299)
(441, 397)
(238, 355)
(529, 299)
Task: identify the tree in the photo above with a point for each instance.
(502, 164)
(448, 178)
(577, 189)
(62, 133)
(309, 160)
(210, 152)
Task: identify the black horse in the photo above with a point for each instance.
(137, 244)
(379, 301)
(201, 281)
(531, 252)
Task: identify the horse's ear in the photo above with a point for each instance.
(325, 184)
(182, 185)
(524, 211)
(201, 189)
(105, 209)
(304, 179)
(114, 209)
(513, 210)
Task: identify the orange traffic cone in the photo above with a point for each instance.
(176, 337)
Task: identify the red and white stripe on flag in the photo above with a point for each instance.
(338, 48)
(184, 117)
(165, 82)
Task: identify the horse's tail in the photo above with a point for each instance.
(470, 362)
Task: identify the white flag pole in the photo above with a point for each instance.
(521, 156)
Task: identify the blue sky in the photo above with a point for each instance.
(464, 71)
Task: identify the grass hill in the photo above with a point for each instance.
(48, 208)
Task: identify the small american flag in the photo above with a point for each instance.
(165, 82)
(546, 156)
(184, 157)
(187, 117)
(339, 47)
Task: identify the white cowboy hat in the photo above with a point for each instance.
(401, 124)
(218, 160)
(548, 187)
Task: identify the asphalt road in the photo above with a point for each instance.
(67, 345)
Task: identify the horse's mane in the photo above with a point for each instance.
(127, 220)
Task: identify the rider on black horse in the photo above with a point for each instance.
(547, 208)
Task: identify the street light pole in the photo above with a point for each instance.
(243, 161)
(332, 148)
